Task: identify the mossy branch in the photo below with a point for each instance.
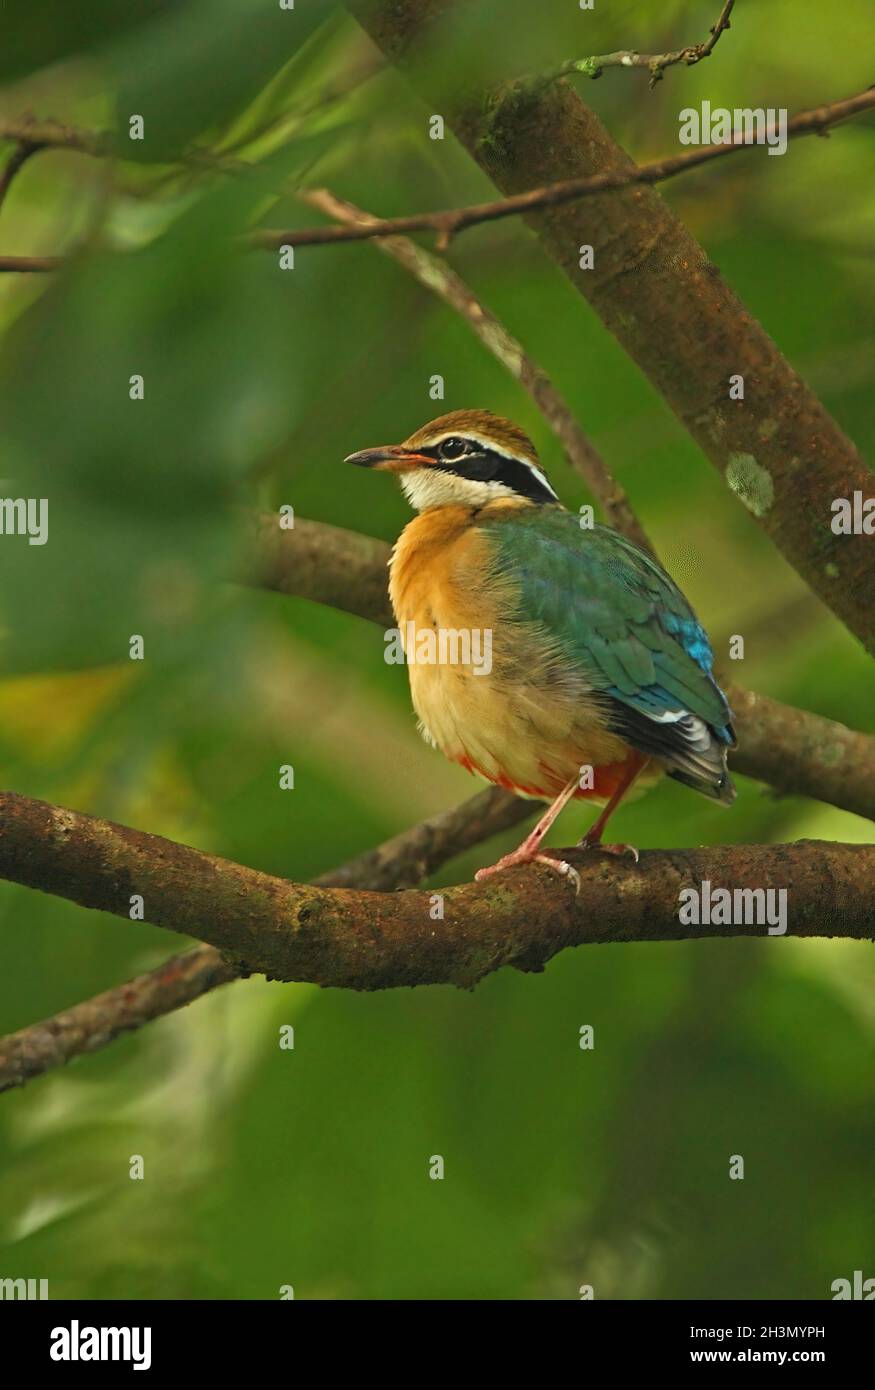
(364, 940)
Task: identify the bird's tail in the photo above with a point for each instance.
(709, 775)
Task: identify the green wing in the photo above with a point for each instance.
(624, 625)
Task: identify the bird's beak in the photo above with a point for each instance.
(391, 458)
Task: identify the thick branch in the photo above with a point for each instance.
(368, 940)
(327, 564)
(434, 274)
(796, 752)
(803, 754)
(656, 63)
(376, 940)
(401, 862)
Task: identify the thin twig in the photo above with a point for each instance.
(25, 130)
(30, 264)
(434, 273)
(656, 63)
(16, 161)
(449, 222)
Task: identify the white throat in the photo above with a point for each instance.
(430, 487)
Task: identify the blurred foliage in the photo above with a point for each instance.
(266, 1167)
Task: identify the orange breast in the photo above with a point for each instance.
(528, 723)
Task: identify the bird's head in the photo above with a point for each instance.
(467, 458)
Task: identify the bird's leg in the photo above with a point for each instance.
(593, 837)
(530, 850)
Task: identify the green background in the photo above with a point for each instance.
(266, 1167)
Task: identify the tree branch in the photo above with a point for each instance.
(25, 130)
(368, 940)
(656, 63)
(449, 222)
(341, 569)
(796, 752)
(803, 754)
(16, 161)
(401, 862)
(31, 264)
(96, 1022)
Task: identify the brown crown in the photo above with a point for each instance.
(503, 433)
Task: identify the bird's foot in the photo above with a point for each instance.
(527, 854)
(587, 843)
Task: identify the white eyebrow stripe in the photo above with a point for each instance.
(494, 448)
(540, 476)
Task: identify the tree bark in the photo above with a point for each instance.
(365, 940)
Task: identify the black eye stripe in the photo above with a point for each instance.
(483, 465)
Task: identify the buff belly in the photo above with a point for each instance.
(510, 734)
(528, 722)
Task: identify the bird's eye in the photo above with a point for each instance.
(451, 449)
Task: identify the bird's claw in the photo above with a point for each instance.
(510, 861)
(561, 866)
(609, 849)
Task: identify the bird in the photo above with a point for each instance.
(600, 678)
